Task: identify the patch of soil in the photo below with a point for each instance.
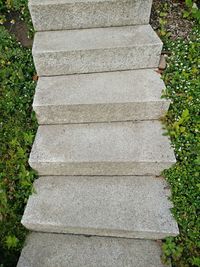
(19, 28)
(176, 24)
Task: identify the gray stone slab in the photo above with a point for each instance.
(57, 250)
(74, 14)
(120, 206)
(96, 50)
(101, 149)
(100, 97)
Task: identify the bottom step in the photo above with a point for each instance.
(58, 250)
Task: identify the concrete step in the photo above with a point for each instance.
(57, 250)
(68, 14)
(100, 97)
(119, 206)
(101, 149)
(96, 50)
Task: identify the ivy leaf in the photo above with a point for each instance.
(185, 115)
(186, 14)
(189, 3)
(11, 241)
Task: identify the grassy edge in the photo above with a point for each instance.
(183, 126)
(17, 130)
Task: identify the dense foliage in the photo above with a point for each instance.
(17, 129)
(182, 78)
(192, 10)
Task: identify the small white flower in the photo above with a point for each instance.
(195, 6)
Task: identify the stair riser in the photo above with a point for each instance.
(99, 168)
(102, 60)
(96, 232)
(100, 112)
(55, 16)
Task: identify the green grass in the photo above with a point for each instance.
(17, 130)
(182, 79)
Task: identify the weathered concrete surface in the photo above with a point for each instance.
(100, 97)
(57, 250)
(101, 149)
(96, 50)
(120, 206)
(67, 14)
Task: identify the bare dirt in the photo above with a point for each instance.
(175, 23)
(18, 27)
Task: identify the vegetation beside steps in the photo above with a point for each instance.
(18, 125)
(182, 79)
(17, 130)
(183, 125)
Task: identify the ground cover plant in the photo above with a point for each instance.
(182, 79)
(177, 23)
(17, 130)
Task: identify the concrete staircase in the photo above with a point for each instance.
(100, 148)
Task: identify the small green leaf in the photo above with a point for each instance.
(11, 241)
(189, 3)
(186, 14)
(185, 114)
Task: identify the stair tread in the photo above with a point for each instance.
(99, 88)
(122, 206)
(94, 39)
(100, 97)
(96, 50)
(124, 148)
(58, 250)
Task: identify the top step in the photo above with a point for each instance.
(76, 14)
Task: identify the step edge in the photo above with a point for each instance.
(42, 227)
